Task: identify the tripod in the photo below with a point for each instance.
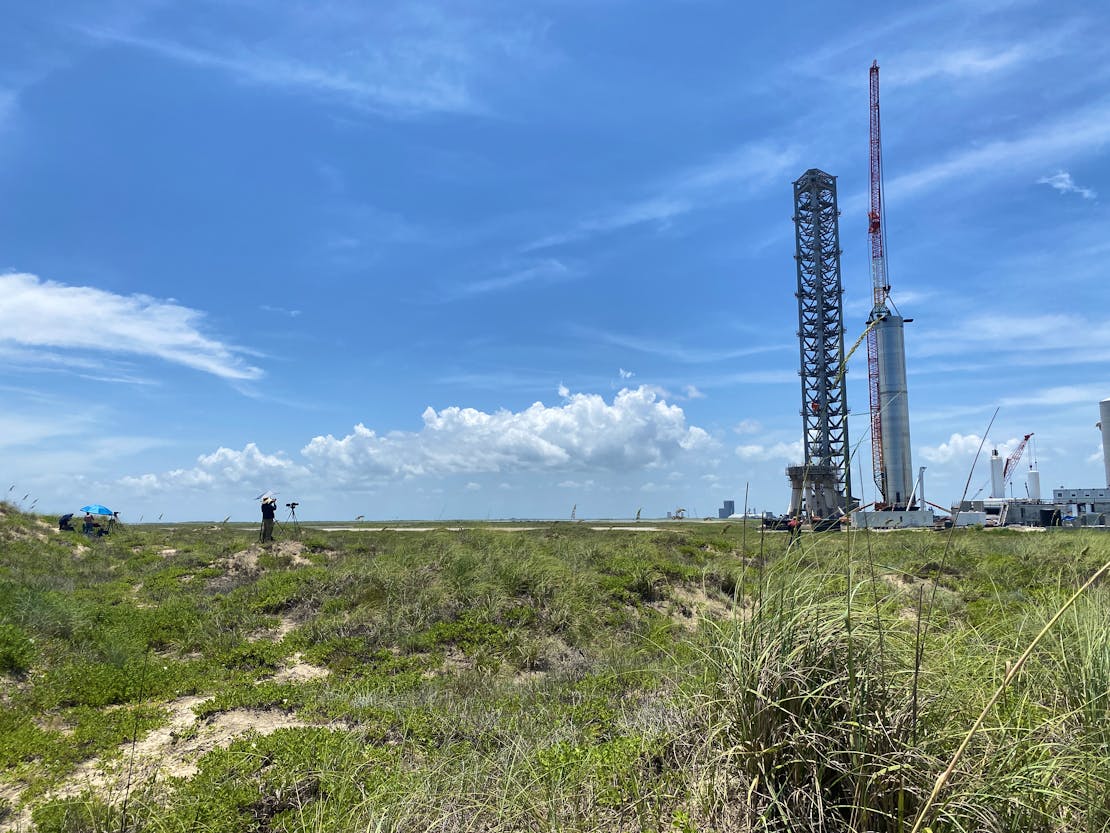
(293, 518)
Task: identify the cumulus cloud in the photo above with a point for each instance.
(692, 392)
(958, 445)
(638, 429)
(49, 318)
(249, 468)
(748, 426)
(963, 446)
(1062, 182)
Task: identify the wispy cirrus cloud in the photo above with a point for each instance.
(371, 87)
(392, 59)
(292, 313)
(1076, 133)
(546, 271)
(678, 352)
(1062, 182)
(58, 324)
(965, 62)
(731, 176)
(1021, 340)
(1060, 395)
(789, 451)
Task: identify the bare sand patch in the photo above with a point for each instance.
(171, 751)
(248, 559)
(299, 671)
(244, 561)
(293, 549)
(285, 626)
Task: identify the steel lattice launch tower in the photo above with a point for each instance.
(823, 482)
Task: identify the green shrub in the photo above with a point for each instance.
(86, 813)
(17, 651)
(275, 592)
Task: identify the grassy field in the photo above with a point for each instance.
(696, 677)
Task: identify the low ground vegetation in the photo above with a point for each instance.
(700, 677)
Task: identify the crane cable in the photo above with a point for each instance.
(848, 355)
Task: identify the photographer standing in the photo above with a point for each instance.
(269, 507)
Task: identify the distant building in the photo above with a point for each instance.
(1083, 502)
(727, 510)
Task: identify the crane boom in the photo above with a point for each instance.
(879, 284)
(1014, 459)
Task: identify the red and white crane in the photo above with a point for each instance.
(879, 285)
(891, 456)
(1014, 459)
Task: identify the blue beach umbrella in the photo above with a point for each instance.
(97, 509)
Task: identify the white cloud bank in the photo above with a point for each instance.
(46, 317)
(224, 467)
(637, 430)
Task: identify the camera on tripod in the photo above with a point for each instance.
(293, 505)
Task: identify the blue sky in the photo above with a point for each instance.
(498, 259)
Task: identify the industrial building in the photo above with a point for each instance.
(1084, 500)
(1068, 507)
